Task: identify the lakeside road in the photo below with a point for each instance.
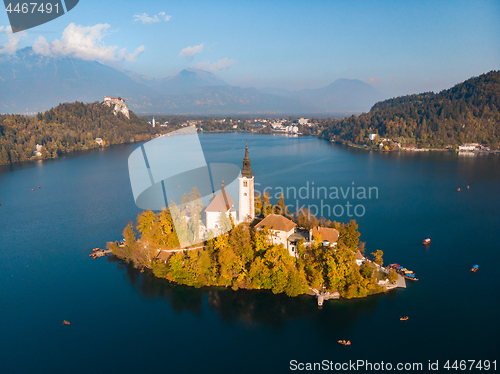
(377, 149)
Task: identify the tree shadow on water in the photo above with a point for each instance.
(252, 308)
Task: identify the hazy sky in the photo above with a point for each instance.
(399, 47)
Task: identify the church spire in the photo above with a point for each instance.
(246, 172)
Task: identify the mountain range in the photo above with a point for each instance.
(30, 82)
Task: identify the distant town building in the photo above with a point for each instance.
(278, 127)
(303, 121)
(99, 141)
(38, 150)
(372, 136)
(468, 147)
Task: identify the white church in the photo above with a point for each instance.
(224, 203)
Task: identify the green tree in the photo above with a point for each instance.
(281, 208)
(378, 257)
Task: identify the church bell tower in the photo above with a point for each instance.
(246, 201)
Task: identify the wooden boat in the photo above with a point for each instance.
(467, 187)
(405, 318)
(66, 323)
(474, 268)
(32, 189)
(343, 342)
(458, 189)
(411, 277)
(426, 241)
(39, 187)
(407, 274)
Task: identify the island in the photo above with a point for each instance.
(261, 247)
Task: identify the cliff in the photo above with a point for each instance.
(119, 105)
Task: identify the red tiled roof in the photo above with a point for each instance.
(276, 222)
(326, 233)
(219, 205)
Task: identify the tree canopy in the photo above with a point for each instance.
(66, 128)
(465, 113)
(245, 258)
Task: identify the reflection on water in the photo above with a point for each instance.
(85, 200)
(250, 307)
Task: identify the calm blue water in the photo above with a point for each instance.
(123, 321)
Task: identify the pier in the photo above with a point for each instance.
(400, 283)
(386, 284)
(325, 295)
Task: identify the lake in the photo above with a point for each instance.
(125, 321)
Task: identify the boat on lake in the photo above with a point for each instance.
(427, 241)
(411, 277)
(405, 318)
(404, 272)
(474, 268)
(343, 342)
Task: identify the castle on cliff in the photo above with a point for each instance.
(119, 105)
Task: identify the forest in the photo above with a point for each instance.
(66, 128)
(465, 113)
(243, 258)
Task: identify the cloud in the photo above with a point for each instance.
(166, 17)
(85, 43)
(216, 66)
(144, 18)
(189, 52)
(130, 57)
(13, 40)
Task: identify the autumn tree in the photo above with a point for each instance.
(378, 254)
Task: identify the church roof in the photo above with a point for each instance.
(276, 222)
(221, 203)
(326, 233)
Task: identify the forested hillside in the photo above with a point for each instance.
(66, 128)
(465, 113)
